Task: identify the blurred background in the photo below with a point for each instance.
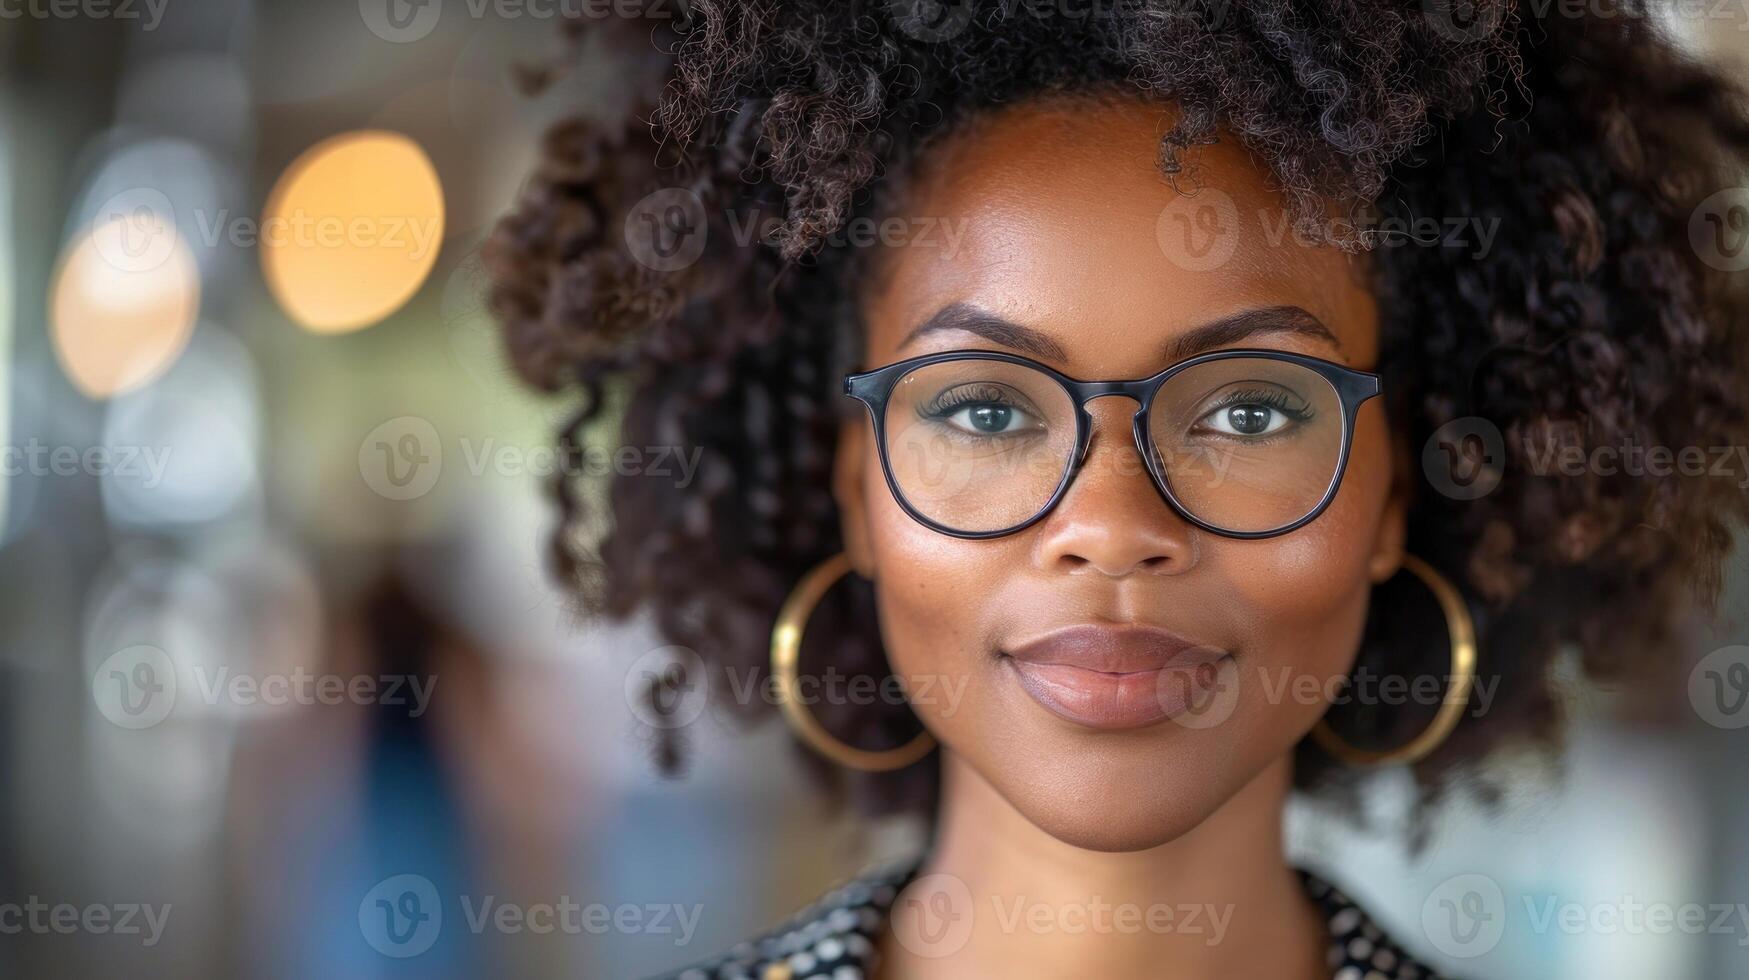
(284, 688)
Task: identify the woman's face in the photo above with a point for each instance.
(1053, 224)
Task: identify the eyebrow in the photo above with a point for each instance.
(1229, 330)
(1248, 324)
(996, 329)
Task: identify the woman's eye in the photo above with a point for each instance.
(1246, 419)
(988, 419)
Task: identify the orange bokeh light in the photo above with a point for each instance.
(351, 230)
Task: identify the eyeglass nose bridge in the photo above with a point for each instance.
(1139, 392)
(1086, 391)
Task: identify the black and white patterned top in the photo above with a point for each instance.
(834, 939)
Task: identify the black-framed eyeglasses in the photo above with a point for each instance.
(1243, 443)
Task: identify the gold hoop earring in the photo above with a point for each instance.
(1463, 675)
(786, 645)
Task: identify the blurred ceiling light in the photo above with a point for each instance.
(175, 181)
(351, 230)
(123, 303)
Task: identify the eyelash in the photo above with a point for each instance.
(1272, 399)
(950, 401)
(946, 403)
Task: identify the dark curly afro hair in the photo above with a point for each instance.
(1593, 320)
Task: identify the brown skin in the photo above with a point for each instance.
(1060, 204)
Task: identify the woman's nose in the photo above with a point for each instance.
(1113, 520)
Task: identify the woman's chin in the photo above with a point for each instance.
(1118, 815)
(1098, 827)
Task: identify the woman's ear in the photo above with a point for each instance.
(848, 475)
(1392, 538)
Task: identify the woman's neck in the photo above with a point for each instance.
(1012, 901)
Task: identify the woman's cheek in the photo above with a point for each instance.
(1304, 595)
(928, 590)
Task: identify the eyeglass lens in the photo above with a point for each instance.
(1245, 444)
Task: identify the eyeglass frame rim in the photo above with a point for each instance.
(1353, 387)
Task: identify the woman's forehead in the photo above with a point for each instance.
(1058, 217)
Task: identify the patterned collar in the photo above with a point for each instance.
(833, 939)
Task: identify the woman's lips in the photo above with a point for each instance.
(1114, 677)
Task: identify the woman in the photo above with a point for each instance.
(1174, 382)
